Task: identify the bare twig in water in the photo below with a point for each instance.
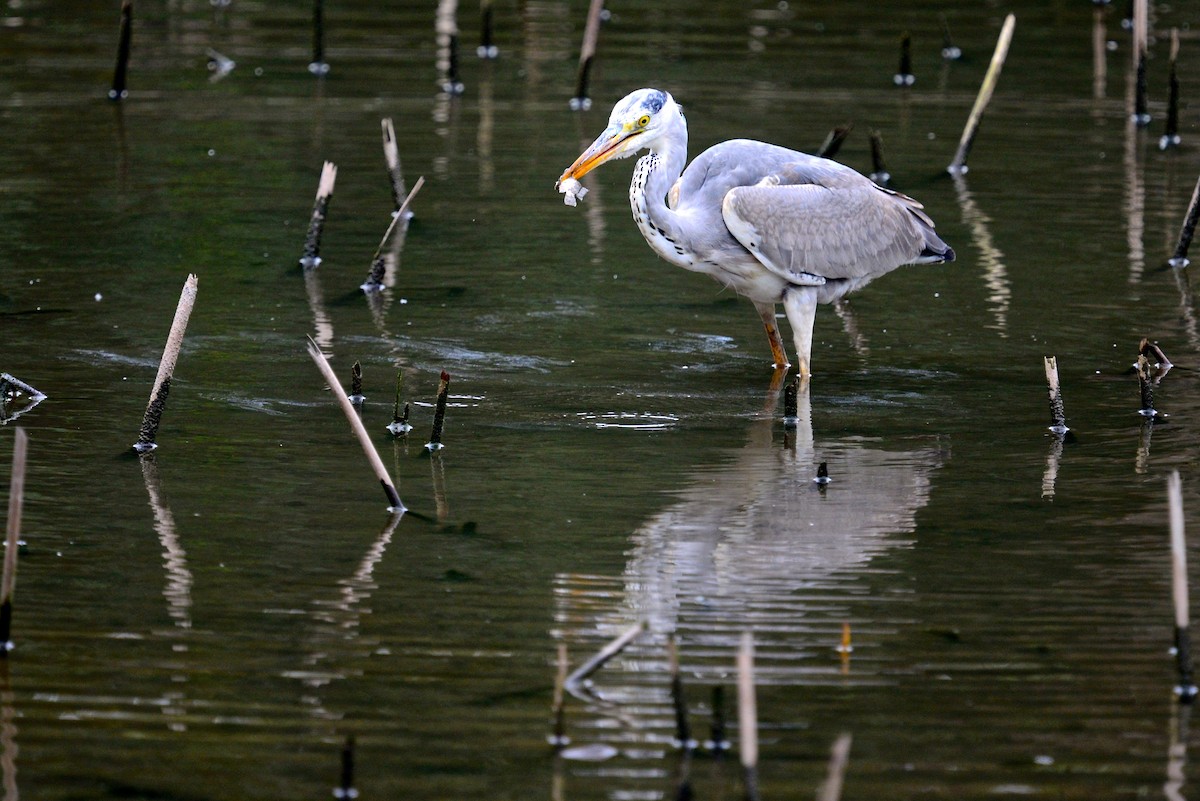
(1141, 24)
(904, 74)
(683, 731)
(11, 388)
(399, 424)
(879, 173)
(587, 52)
(1058, 416)
(166, 368)
(118, 90)
(360, 431)
(574, 682)
(1187, 230)
(487, 47)
(833, 142)
(1179, 588)
(16, 500)
(318, 66)
(345, 789)
(839, 758)
(959, 164)
(374, 282)
(316, 224)
(391, 154)
(1170, 137)
(439, 414)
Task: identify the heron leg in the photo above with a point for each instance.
(800, 304)
(767, 312)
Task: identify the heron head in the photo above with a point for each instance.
(637, 121)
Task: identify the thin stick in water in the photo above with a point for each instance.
(1179, 588)
(791, 400)
(166, 368)
(879, 173)
(399, 424)
(839, 758)
(587, 52)
(1170, 137)
(118, 90)
(360, 431)
(391, 155)
(487, 47)
(959, 165)
(16, 499)
(683, 731)
(1058, 416)
(439, 414)
(446, 27)
(318, 66)
(356, 395)
(345, 789)
(374, 282)
(904, 75)
(748, 715)
(833, 142)
(575, 681)
(316, 224)
(1188, 229)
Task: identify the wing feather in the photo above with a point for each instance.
(838, 225)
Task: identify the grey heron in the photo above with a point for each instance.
(773, 224)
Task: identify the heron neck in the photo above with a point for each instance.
(653, 178)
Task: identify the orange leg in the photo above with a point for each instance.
(767, 312)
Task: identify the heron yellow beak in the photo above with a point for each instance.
(614, 142)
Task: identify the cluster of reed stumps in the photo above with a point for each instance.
(1152, 365)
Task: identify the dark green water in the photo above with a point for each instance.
(213, 622)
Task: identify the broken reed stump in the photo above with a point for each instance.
(360, 431)
(1145, 374)
(16, 500)
(446, 28)
(1141, 21)
(356, 396)
(1058, 415)
(833, 142)
(835, 778)
(822, 475)
(316, 224)
(375, 275)
(391, 155)
(845, 647)
(318, 66)
(439, 414)
(747, 715)
(345, 788)
(487, 47)
(118, 90)
(399, 424)
(1170, 137)
(587, 53)
(904, 74)
(1187, 230)
(1179, 588)
(166, 368)
(879, 173)
(558, 737)
(958, 166)
(683, 731)
(574, 682)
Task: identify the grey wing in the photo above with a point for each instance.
(835, 224)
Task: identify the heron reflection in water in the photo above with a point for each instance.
(773, 224)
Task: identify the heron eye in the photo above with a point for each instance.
(643, 121)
